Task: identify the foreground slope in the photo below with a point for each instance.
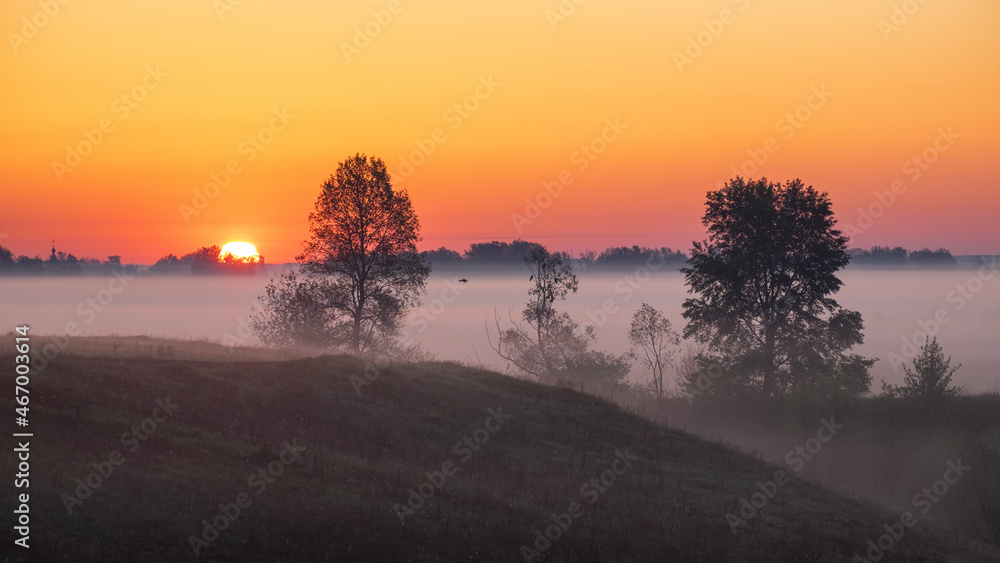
(315, 459)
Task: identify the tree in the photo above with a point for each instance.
(540, 350)
(930, 377)
(880, 257)
(701, 376)
(244, 265)
(361, 259)
(7, 262)
(443, 256)
(637, 256)
(204, 261)
(586, 259)
(763, 283)
(65, 264)
(551, 347)
(30, 266)
(295, 312)
(653, 334)
(169, 264)
(927, 258)
(500, 252)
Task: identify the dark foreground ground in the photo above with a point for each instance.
(325, 459)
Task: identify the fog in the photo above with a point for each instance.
(451, 322)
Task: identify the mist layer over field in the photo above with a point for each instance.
(451, 323)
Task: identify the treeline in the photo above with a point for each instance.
(204, 261)
(502, 253)
(899, 257)
(61, 264)
(207, 261)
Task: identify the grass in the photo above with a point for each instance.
(363, 453)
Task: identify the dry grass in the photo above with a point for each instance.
(146, 347)
(364, 454)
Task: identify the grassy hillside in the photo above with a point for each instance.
(360, 450)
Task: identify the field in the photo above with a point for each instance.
(147, 450)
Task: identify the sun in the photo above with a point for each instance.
(240, 250)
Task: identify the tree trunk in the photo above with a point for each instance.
(359, 313)
(356, 335)
(767, 389)
(546, 360)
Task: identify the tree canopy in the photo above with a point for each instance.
(653, 339)
(549, 346)
(929, 379)
(762, 286)
(360, 267)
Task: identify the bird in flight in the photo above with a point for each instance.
(532, 277)
(463, 280)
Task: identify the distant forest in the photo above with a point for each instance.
(496, 252)
(899, 257)
(206, 261)
(507, 253)
(61, 264)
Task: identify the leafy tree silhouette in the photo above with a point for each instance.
(763, 283)
(551, 348)
(930, 377)
(360, 267)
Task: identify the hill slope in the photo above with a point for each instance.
(325, 459)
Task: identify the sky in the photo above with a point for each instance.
(148, 128)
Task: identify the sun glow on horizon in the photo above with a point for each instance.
(240, 250)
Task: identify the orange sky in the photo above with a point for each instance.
(210, 80)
